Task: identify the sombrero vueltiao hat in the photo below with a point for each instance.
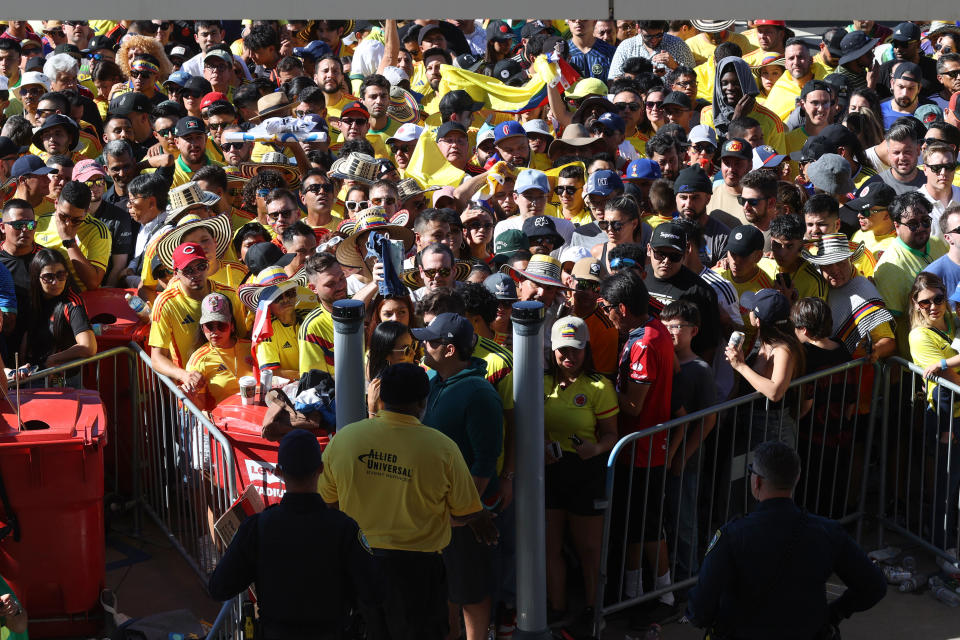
(271, 283)
(247, 170)
(356, 166)
(409, 188)
(770, 58)
(411, 277)
(350, 252)
(186, 196)
(403, 106)
(219, 227)
(712, 26)
(541, 269)
(831, 249)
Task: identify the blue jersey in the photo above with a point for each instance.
(595, 63)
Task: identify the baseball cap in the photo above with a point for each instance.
(908, 71)
(832, 39)
(769, 305)
(468, 61)
(815, 85)
(262, 255)
(316, 50)
(452, 328)
(130, 102)
(642, 169)
(508, 129)
(501, 285)
(670, 236)
(603, 183)
(569, 331)
(299, 453)
(532, 179)
(459, 100)
(187, 125)
(570, 255)
(530, 29)
(498, 30)
(877, 194)
(213, 96)
(403, 383)
(221, 53)
(905, 32)
(509, 242)
(766, 156)
(86, 169)
(837, 135)
(537, 126)
(813, 148)
(406, 133)
(427, 30)
(29, 165)
(100, 42)
(355, 107)
(586, 87)
(692, 179)
(197, 86)
(509, 72)
(178, 78)
(588, 268)
(611, 121)
(542, 227)
(677, 98)
(215, 308)
(770, 23)
(66, 47)
(187, 253)
(448, 127)
(831, 174)
(703, 133)
(177, 51)
(8, 147)
(737, 148)
(928, 114)
(743, 240)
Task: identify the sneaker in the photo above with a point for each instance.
(506, 625)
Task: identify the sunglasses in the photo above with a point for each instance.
(652, 37)
(233, 146)
(195, 269)
(654, 105)
(477, 226)
(443, 272)
(938, 168)
(32, 91)
(166, 132)
(406, 349)
(218, 125)
(914, 225)
(622, 263)
(542, 240)
(58, 33)
(283, 213)
(76, 23)
(660, 256)
(565, 190)
(216, 327)
(628, 106)
(141, 74)
(704, 147)
(163, 26)
(70, 220)
(53, 278)
(953, 75)
(20, 225)
(402, 148)
(383, 202)
(866, 213)
(357, 205)
(354, 121)
(750, 201)
(318, 188)
(99, 182)
(46, 112)
(615, 225)
(587, 285)
(938, 300)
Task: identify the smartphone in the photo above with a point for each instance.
(576, 440)
(555, 450)
(784, 280)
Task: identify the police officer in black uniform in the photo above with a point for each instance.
(311, 564)
(764, 575)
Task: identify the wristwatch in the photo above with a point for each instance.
(68, 243)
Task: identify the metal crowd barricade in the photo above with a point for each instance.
(921, 472)
(661, 518)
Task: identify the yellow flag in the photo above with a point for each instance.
(428, 165)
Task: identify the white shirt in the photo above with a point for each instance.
(478, 39)
(366, 58)
(147, 231)
(194, 66)
(938, 208)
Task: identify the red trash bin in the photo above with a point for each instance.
(54, 480)
(254, 457)
(119, 326)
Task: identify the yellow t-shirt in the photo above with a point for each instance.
(230, 274)
(316, 341)
(576, 409)
(281, 350)
(702, 47)
(930, 346)
(655, 220)
(174, 323)
(877, 245)
(400, 480)
(93, 239)
(222, 368)
(783, 97)
(182, 173)
(806, 279)
(774, 131)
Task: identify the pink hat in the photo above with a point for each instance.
(86, 169)
(443, 192)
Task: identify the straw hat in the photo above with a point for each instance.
(271, 282)
(541, 269)
(356, 166)
(272, 105)
(403, 106)
(247, 170)
(411, 277)
(712, 26)
(409, 188)
(219, 227)
(373, 219)
(831, 249)
(187, 195)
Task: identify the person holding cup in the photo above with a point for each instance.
(222, 359)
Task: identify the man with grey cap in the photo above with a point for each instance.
(504, 290)
(830, 174)
(303, 590)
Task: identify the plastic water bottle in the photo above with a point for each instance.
(896, 575)
(912, 584)
(941, 592)
(139, 306)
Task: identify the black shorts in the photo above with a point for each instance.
(415, 603)
(576, 485)
(469, 567)
(646, 495)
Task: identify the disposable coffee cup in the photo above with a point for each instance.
(248, 389)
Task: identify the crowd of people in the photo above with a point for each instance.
(658, 186)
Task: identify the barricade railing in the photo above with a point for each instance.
(669, 487)
(921, 459)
